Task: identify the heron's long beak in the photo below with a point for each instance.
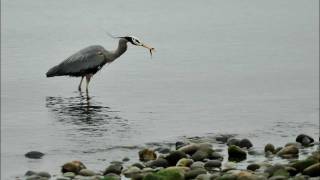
(148, 47)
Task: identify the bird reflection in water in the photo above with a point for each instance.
(86, 115)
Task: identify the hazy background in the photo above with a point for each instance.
(246, 67)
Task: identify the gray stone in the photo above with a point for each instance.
(138, 165)
(212, 164)
(113, 168)
(36, 177)
(193, 173)
(184, 162)
(269, 148)
(245, 143)
(215, 156)
(304, 139)
(288, 152)
(197, 164)
(131, 171)
(203, 177)
(30, 173)
(174, 157)
(160, 162)
(253, 167)
(126, 159)
(112, 176)
(313, 170)
(69, 175)
(236, 153)
(180, 144)
(233, 141)
(44, 174)
(34, 155)
(87, 172)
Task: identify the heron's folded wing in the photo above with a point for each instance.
(83, 61)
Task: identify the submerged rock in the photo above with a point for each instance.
(300, 165)
(34, 155)
(236, 153)
(147, 155)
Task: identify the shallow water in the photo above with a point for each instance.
(248, 68)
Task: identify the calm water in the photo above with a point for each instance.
(244, 67)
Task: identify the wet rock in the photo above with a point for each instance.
(62, 178)
(229, 166)
(244, 175)
(253, 167)
(222, 138)
(200, 155)
(236, 153)
(180, 144)
(138, 165)
(209, 165)
(174, 157)
(36, 177)
(269, 148)
(34, 155)
(30, 173)
(166, 174)
(86, 172)
(304, 139)
(189, 149)
(126, 159)
(147, 155)
(69, 175)
(163, 150)
(227, 177)
(193, 173)
(233, 141)
(245, 143)
(111, 176)
(277, 150)
(197, 164)
(113, 168)
(160, 162)
(300, 165)
(278, 178)
(74, 166)
(291, 170)
(276, 170)
(44, 174)
(215, 156)
(313, 170)
(131, 171)
(204, 177)
(290, 151)
(184, 162)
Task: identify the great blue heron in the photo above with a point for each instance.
(88, 61)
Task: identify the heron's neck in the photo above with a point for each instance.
(122, 47)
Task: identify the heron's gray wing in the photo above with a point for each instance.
(88, 60)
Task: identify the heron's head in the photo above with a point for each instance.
(135, 41)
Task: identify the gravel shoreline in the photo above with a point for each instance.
(225, 158)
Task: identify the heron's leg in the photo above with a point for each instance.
(88, 77)
(79, 88)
